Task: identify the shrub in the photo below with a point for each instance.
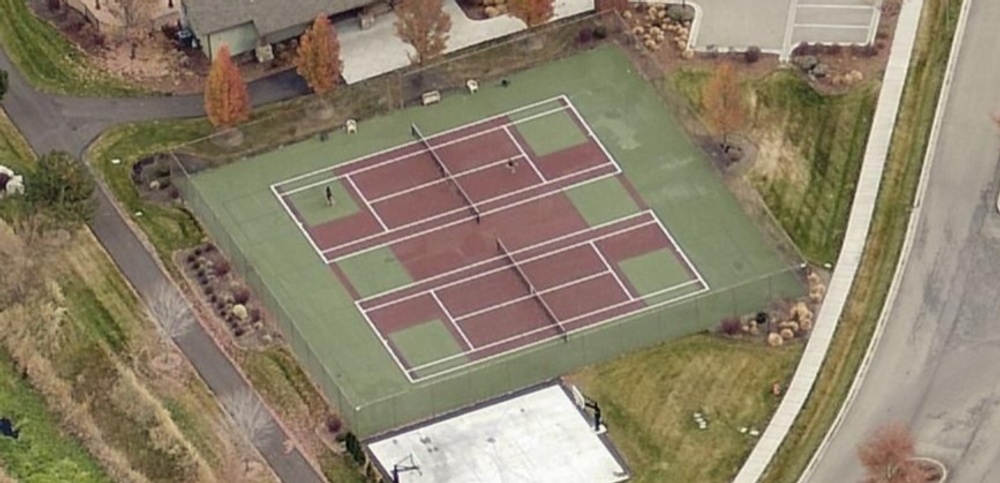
(221, 267)
(241, 294)
(54, 5)
(585, 36)
(254, 314)
(774, 339)
(752, 54)
(680, 13)
(333, 424)
(208, 290)
(600, 32)
(833, 49)
(354, 448)
(730, 326)
(240, 311)
(804, 48)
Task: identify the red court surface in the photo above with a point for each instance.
(494, 247)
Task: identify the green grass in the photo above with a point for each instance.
(885, 240)
(44, 452)
(48, 59)
(14, 150)
(649, 398)
(168, 228)
(810, 186)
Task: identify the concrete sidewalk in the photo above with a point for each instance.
(850, 252)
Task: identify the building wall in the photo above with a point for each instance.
(242, 38)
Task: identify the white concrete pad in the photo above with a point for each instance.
(377, 50)
(539, 437)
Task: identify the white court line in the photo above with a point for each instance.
(524, 154)
(574, 319)
(829, 26)
(385, 343)
(681, 252)
(367, 204)
(424, 150)
(514, 252)
(482, 274)
(612, 270)
(836, 7)
(302, 229)
(591, 134)
(530, 296)
(412, 143)
(458, 175)
(465, 208)
(452, 320)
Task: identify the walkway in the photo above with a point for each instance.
(850, 252)
(70, 124)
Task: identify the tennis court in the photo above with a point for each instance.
(517, 264)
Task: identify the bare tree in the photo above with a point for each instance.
(887, 456)
(169, 307)
(136, 16)
(249, 414)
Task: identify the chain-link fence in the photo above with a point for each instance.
(438, 394)
(446, 392)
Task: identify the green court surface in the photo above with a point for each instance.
(655, 271)
(312, 206)
(375, 271)
(339, 348)
(427, 342)
(551, 133)
(602, 201)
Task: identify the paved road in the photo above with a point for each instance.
(936, 366)
(70, 124)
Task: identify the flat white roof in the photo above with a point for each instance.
(536, 437)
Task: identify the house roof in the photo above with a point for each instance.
(268, 16)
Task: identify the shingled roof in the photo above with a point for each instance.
(268, 16)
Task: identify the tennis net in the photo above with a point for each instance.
(445, 172)
(531, 290)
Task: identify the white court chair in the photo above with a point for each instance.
(351, 126)
(473, 86)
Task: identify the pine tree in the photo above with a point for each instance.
(318, 60)
(424, 25)
(227, 102)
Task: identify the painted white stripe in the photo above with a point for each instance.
(591, 134)
(385, 343)
(611, 269)
(451, 320)
(529, 296)
(524, 154)
(466, 219)
(404, 157)
(367, 204)
(411, 143)
(302, 229)
(515, 252)
(486, 273)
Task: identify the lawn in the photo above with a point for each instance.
(95, 369)
(885, 240)
(649, 399)
(810, 149)
(48, 59)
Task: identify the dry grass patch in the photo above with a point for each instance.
(649, 399)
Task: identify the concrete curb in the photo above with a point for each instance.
(911, 231)
(859, 223)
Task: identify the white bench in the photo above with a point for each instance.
(431, 97)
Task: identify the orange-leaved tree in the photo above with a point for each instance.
(424, 25)
(532, 12)
(887, 456)
(318, 59)
(723, 102)
(227, 102)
